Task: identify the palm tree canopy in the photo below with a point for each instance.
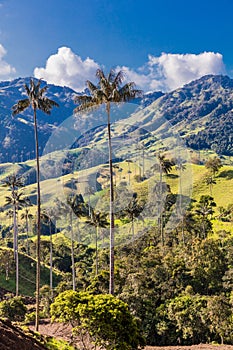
(164, 164)
(109, 89)
(26, 215)
(98, 219)
(13, 182)
(36, 99)
(16, 199)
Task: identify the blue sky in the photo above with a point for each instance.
(160, 44)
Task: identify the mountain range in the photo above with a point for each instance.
(201, 112)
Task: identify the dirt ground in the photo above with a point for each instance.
(60, 331)
(192, 347)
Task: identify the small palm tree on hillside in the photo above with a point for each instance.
(37, 100)
(108, 90)
(164, 166)
(97, 220)
(49, 216)
(74, 205)
(13, 182)
(17, 201)
(132, 211)
(27, 216)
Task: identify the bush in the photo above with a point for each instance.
(13, 309)
(101, 319)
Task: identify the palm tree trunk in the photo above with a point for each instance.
(160, 219)
(133, 227)
(15, 230)
(72, 252)
(96, 251)
(38, 223)
(16, 253)
(180, 206)
(27, 230)
(51, 260)
(111, 209)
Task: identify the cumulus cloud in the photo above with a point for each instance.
(65, 68)
(165, 72)
(6, 70)
(170, 71)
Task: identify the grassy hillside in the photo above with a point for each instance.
(27, 273)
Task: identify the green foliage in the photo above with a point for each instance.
(56, 344)
(213, 164)
(65, 305)
(13, 309)
(187, 314)
(102, 319)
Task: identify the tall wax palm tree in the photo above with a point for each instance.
(13, 182)
(74, 205)
(210, 181)
(27, 216)
(132, 211)
(49, 216)
(165, 166)
(180, 167)
(37, 100)
(97, 220)
(16, 201)
(108, 90)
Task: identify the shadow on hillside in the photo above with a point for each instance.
(228, 174)
(172, 176)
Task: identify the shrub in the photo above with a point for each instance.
(13, 309)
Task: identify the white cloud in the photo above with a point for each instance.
(65, 68)
(170, 71)
(166, 72)
(6, 70)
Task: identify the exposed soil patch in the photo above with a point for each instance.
(192, 347)
(12, 338)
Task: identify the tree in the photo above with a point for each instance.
(180, 167)
(16, 200)
(187, 311)
(165, 166)
(132, 211)
(74, 205)
(27, 216)
(210, 181)
(220, 315)
(49, 215)
(107, 91)
(99, 320)
(98, 220)
(13, 309)
(13, 182)
(129, 171)
(213, 164)
(37, 100)
(204, 211)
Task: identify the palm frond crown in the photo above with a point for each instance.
(36, 99)
(107, 90)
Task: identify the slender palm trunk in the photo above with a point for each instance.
(16, 253)
(38, 222)
(133, 227)
(51, 260)
(72, 252)
(27, 230)
(180, 205)
(160, 219)
(111, 209)
(96, 251)
(15, 230)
